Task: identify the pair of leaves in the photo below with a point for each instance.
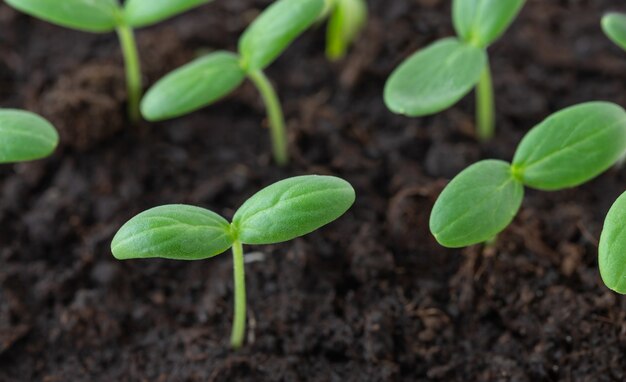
(25, 136)
(565, 150)
(347, 18)
(614, 26)
(103, 15)
(438, 76)
(285, 210)
(209, 78)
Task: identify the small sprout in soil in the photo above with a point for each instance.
(612, 249)
(283, 211)
(209, 78)
(438, 76)
(346, 18)
(614, 26)
(567, 149)
(103, 16)
(25, 136)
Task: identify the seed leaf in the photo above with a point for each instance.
(612, 249)
(272, 32)
(292, 207)
(483, 21)
(476, 205)
(85, 15)
(140, 13)
(193, 86)
(346, 21)
(614, 26)
(25, 136)
(174, 231)
(572, 146)
(434, 78)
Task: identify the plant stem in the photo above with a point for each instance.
(485, 107)
(275, 115)
(133, 70)
(239, 321)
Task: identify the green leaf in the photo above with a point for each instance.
(434, 78)
(25, 136)
(476, 205)
(346, 21)
(175, 231)
(572, 146)
(272, 32)
(193, 86)
(85, 15)
(140, 13)
(614, 26)
(481, 22)
(292, 207)
(612, 249)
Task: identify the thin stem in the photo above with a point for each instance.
(275, 114)
(133, 70)
(485, 107)
(239, 322)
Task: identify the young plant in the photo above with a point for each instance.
(612, 248)
(104, 16)
(565, 150)
(25, 136)
(285, 210)
(346, 18)
(209, 78)
(614, 26)
(438, 76)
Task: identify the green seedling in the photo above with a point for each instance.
(210, 78)
(25, 136)
(614, 26)
(105, 16)
(438, 76)
(612, 248)
(346, 18)
(283, 211)
(565, 150)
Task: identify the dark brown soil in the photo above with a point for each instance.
(370, 297)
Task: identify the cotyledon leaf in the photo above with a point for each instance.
(140, 13)
(612, 248)
(614, 26)
(25, 136)
(481, 22)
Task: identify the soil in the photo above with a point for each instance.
(371, 297)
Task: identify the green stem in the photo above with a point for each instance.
(275, 114)
(485, 107)
(133, 70)
(239, 322)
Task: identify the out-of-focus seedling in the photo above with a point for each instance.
(438, 76)
(612, 249)
(104, 16)
(25, 136)
(346, 18)
(285, 210)
(209, 78)
(567, 149)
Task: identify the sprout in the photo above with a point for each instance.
(438, 76)
(346, 19)
(25, 136)
(104, 16)
(209, 78)
(283, 211)
(567, 149)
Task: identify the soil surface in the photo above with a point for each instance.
(371, 297)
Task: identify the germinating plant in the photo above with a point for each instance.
(285, 210)
(25, 136)
(209, 78)
(104, 16)
(567, 149)
(346, 18)
(438, 76)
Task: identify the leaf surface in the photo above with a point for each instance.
(25, 136)
(612, 248)
(614, 26)
(140, 13)
(346, 21)
(481, 22)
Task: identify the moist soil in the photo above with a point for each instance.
(370, 297)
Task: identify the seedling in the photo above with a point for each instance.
(104, 16)
(346, 18)
(209, 78)
(438, 76)
(612, 248)
(25, 136)
(565, 150)
(285, 210)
